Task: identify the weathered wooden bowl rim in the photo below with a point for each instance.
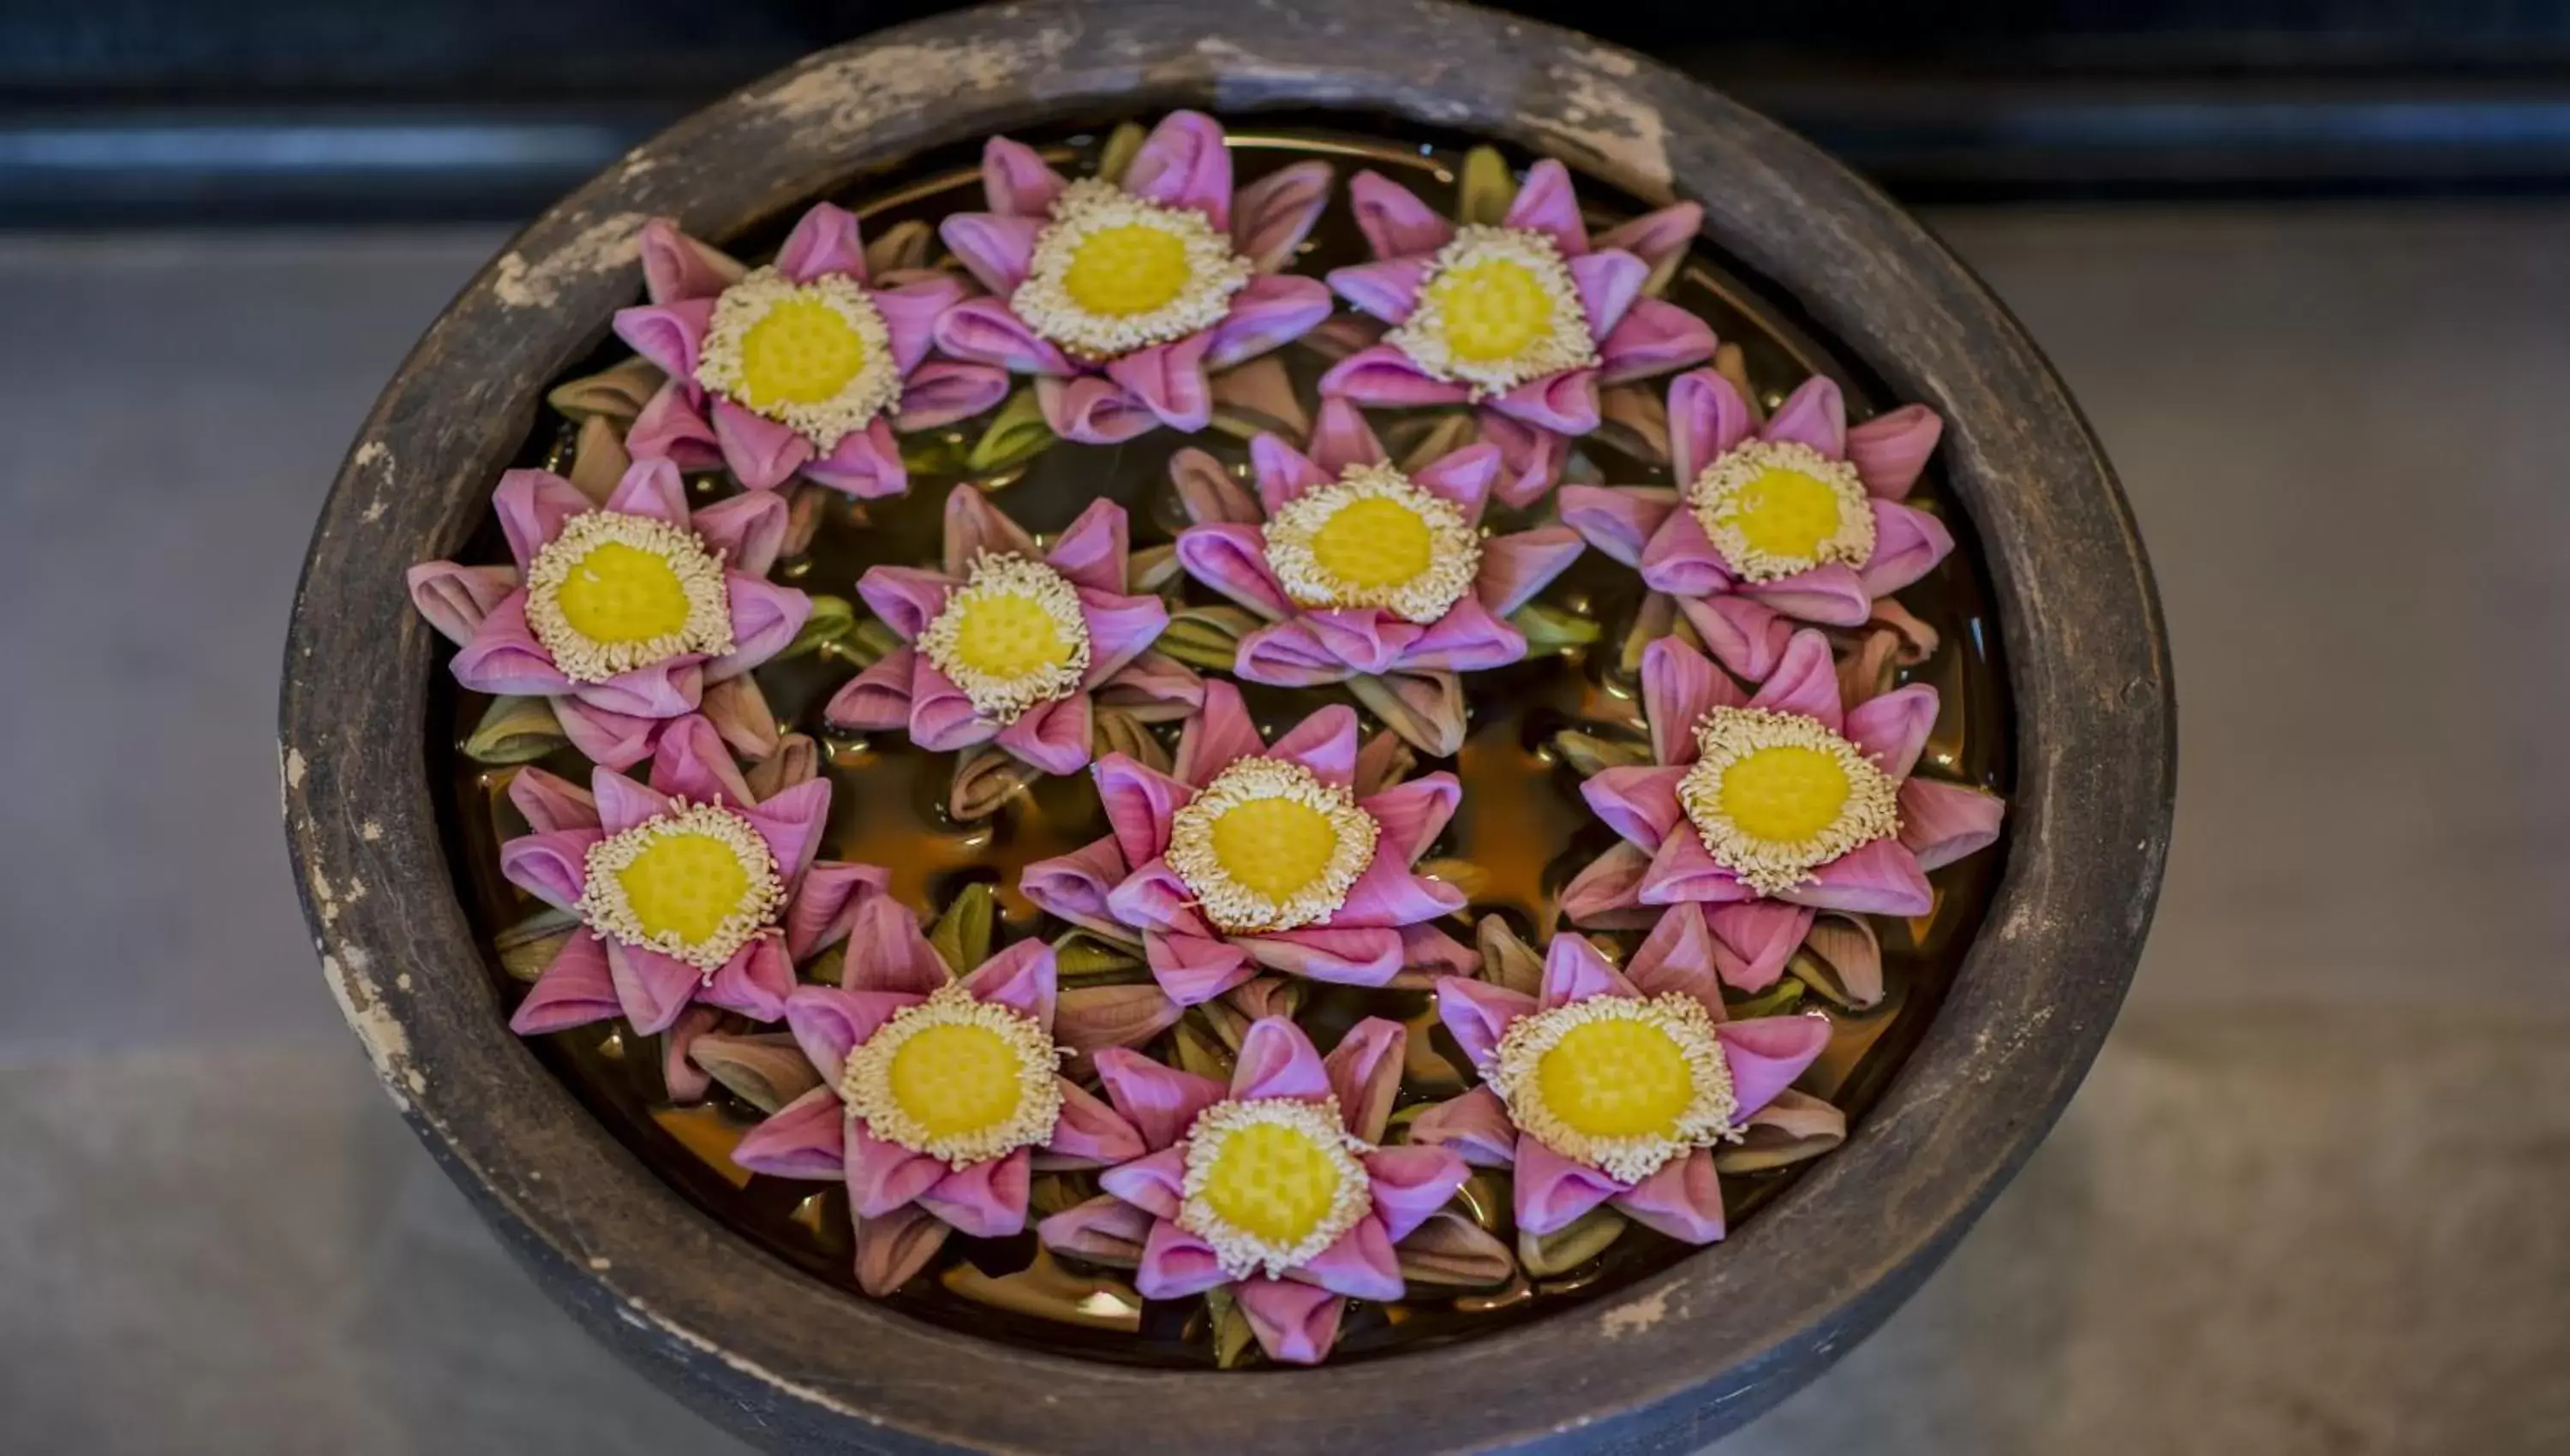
(1683, 1356)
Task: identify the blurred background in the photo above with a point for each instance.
(2306, 266)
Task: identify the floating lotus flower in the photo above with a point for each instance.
(1802, 519)
(937, 1099)
(800, 367)
(691, 890)
(1525, 319)
(1613, 1087)
(622, 613)
(1252, 856)
(1358, 567)
(1007, 646)
(1771, 806)
(1272, 1188)
(1121, 293)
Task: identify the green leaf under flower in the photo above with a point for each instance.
(515, 730)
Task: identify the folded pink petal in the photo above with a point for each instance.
(1324, 742)
(1104, 1230)
(1294, 1322)
(1412, 815)
(1908, 545)
(764, 453)
(1468, 638)
(887, 953)
(1475, 1126)
(687, 1082)
(1021, 979)
(665, 690)
(1169, 381)
(1746, 636)
(1388, 289)
(1207, 493)
(1192, 968)
(1051, 736)
(1882, 878)
(1185, 163)
(1551, 1192)
(1890, 450)
(1679, 559)
(825, 904)
(1679, 686)
(533, 506)
(667, 334)
(1639, 802)
(865, 464)
(997, 249)
(1278, 1060)
(550, 802)
(609, 740)
(905, 597)
(1754, 939)
(1682, 870)
(1546, 204)
(676, 266)
(1074, 886)
(575, 990)
(1176, 1263)
(806, 1138)
(1683, 1200)
(1707, 420)
(1368, 956)
(1282, 472)
(877, 698)
(830, 1021)
(754, 982)
(651, 987)
(1766, 1053)
(1087, 1134)
(1655, 338)
(1359, 1264)
(1608, 281)
(1574, 969)
(1530, 457)
(1617, 520)
(1476, 1013)
(1160, 1102)
(1120, 628)
(942, 718)
(1941, 823)
(824, 242)
(1272, 215)
(1269, 312)
(1829, 593)
(1365, 1074)
(674, 427)
(1815, 414)
(503, 657)
(692, 763)
(748, 529)
(1564, 402)
(456, 599)
(1606, 895)
(1805, 682)
(1140, 802)
(984, 331)
(882, 1176)
(791, 822)
(1893, 728)
(1155, 1183)
(1655, 236)
(943, 391)
(1231, 558)
(1089, 410)
(1393, 218)
(1384, 376)
(551, 866)
(622, 803)
(985, 1200)
(1411, 1183)
(1681, 955)
(1016, 181)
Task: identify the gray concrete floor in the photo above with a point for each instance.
(2309, 1202)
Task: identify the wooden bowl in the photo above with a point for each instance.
(1664, 1364)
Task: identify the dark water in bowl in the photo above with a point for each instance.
(1522, 826)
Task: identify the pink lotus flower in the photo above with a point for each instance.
(1119, 294)
(1007, 646)
(803, 366)
(939, 1097)
(1273, 1188)
(621, 614)
(1253, 857)
(1524, 321)
(1359, 568)
(1572, 1072)
(692, 891)
(1802, 520)
(1768, 807)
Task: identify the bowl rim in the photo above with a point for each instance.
(1671, 1360)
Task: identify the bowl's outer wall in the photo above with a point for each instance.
(1663, 1366)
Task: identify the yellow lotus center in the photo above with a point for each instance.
(1008, 635)
(1373, 543)
(1786, 514)
(1276, 847)
(802, 352)
(1273, 1182)
(1127, 269)
(684, 884)
(1616, 1080)
(957, 1080)
(623, 593)
(1785, 794)
(1494, 309)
